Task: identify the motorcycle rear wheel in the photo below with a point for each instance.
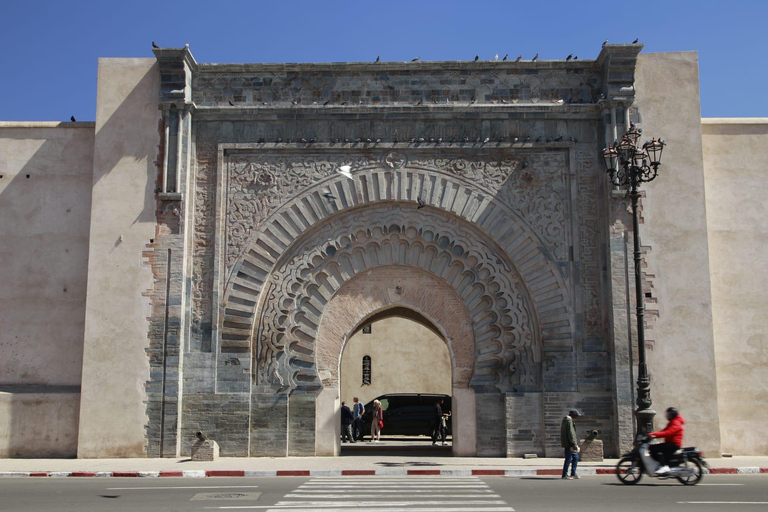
(629, 471)
(698, 473)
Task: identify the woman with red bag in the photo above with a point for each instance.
(377, 422)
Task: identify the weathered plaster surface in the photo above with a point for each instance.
(45, 197)
(682, 358)
(735, 165)
(45, 202)
(115, 365)
(39, 421)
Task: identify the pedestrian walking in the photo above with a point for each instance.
(570, 444)
(357, 418)
(346, 424)
(439, 423)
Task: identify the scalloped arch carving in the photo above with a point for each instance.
(478, 192)
(295, 296)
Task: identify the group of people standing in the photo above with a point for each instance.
(352, 421)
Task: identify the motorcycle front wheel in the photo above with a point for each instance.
(695, 478)
(629, 471)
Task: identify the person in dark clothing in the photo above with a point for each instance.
(346, 424)
(570, 444)
(438, 423)
(673, 440)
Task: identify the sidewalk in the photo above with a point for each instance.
(371, 464)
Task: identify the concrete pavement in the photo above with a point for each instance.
(381, 493)
(371, 463)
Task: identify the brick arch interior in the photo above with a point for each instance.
(380, 289)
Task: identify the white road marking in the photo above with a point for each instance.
(335, 509)
(309, 492)
(366, 504)
(724, 502)
(426, 493)
(184, 487)
(399, 486)
(367, 492)
(718, 484)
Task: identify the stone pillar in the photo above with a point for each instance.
(301, 423)
(269, 425)
(491, 424)
(327, 424)
(524, 424)
(464, 421)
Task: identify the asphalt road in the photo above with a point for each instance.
(382, 494)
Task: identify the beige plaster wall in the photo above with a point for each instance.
(406, 357)
(736, 172)
(45, 198)
(39, 421)
(682, 357)
(115, 365)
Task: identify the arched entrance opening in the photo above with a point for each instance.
(397, 353)
(371, 295)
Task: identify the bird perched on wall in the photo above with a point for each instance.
(635, 41)
(496, 57)
(519, 58)
(378, 59)
(231, 104)
(154, 45)
(505, 57)
(535, 58)
(345, 170)
(605, 43)
(421, 202)
(569, 57)
(72, 118)
(327, 194)
(477, 58)
(417, 59)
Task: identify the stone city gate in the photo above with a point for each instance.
(267, 258)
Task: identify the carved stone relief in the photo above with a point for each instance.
(260, 184)
(299, 288)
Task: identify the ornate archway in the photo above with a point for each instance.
(379, 289)
(296, 256)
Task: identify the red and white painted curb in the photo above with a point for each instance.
(344, 472)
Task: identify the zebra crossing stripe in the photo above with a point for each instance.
(425, 493)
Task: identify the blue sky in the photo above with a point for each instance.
(50, 49)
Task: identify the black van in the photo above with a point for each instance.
(407, 414)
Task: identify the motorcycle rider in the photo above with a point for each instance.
(673, 440)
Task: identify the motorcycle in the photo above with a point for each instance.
(686, 464)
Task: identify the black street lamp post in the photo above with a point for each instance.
(629, 165)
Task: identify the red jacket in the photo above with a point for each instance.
(673, 433)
